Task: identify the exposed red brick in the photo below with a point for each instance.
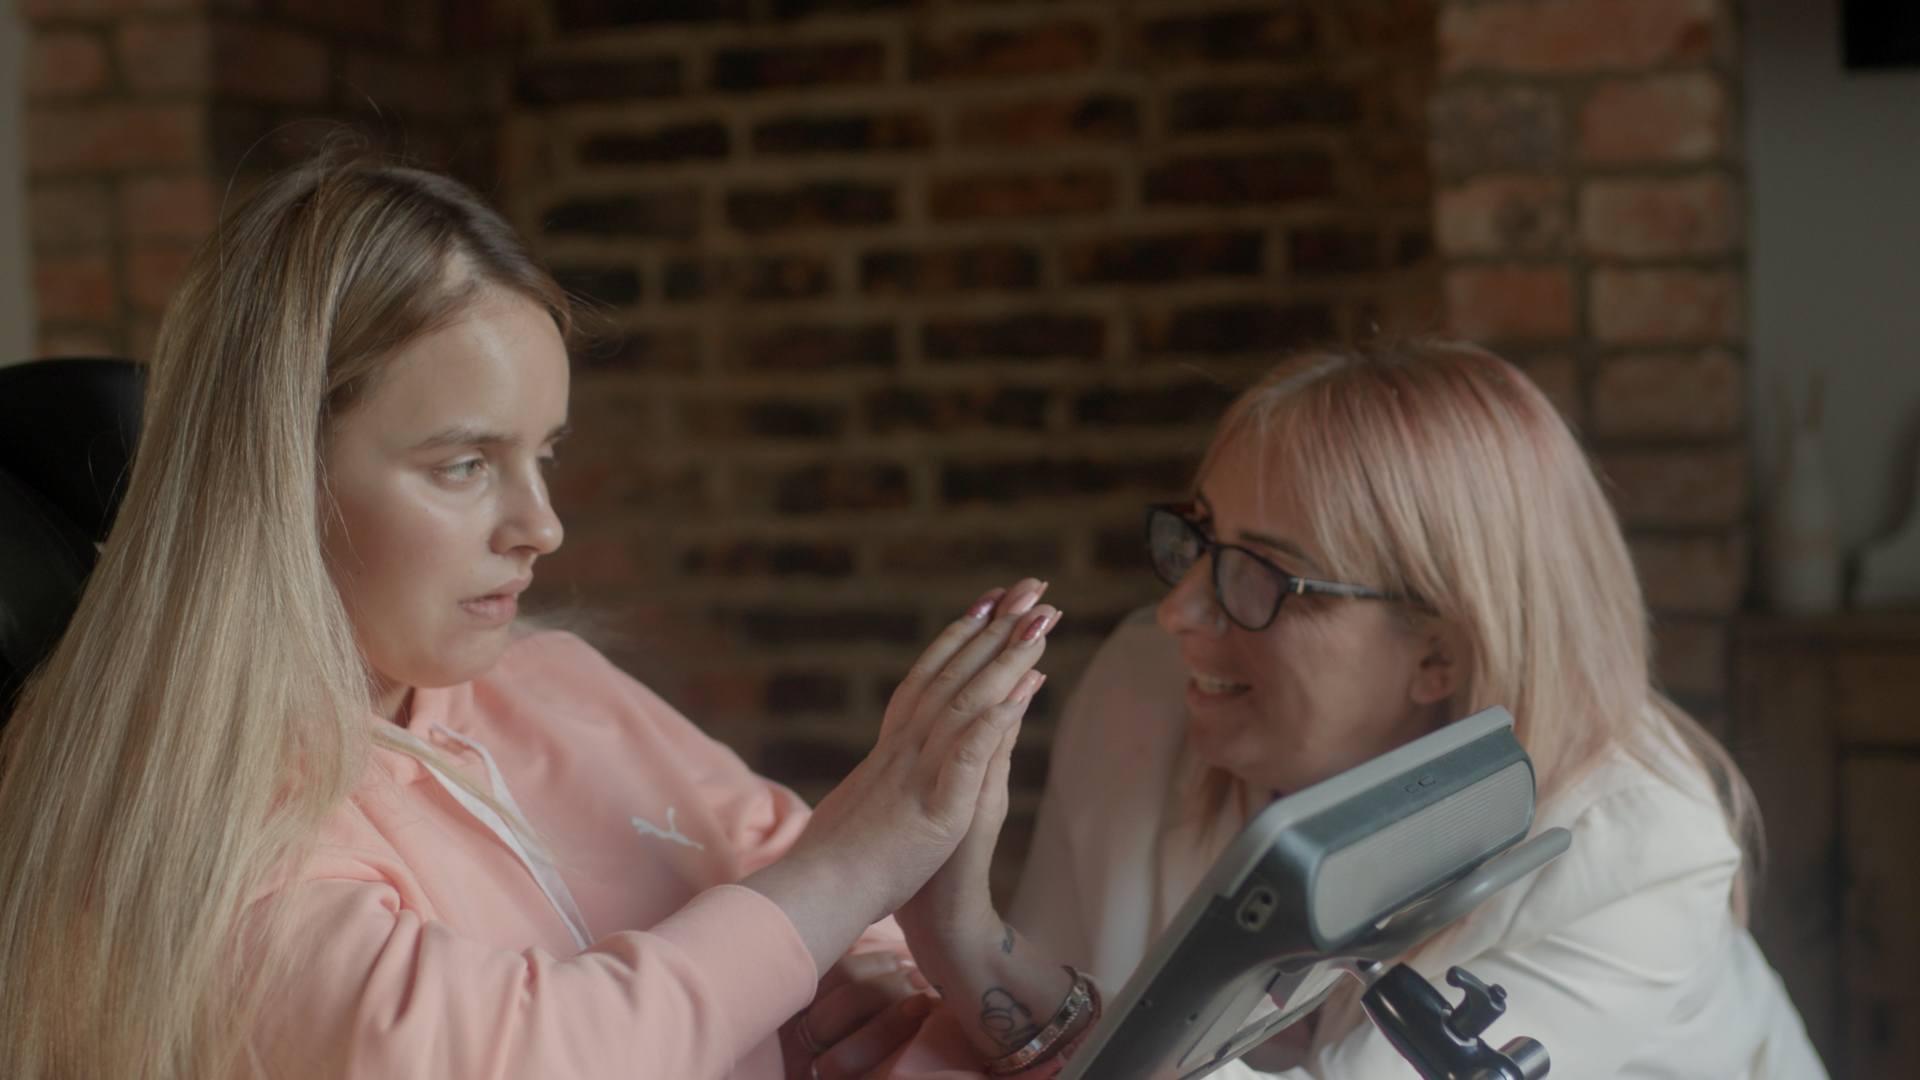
(661, 214)
(654, 350)
(1020, 195)
(1049, 121)
(75, 287)
(1284, 176)
(814, 347)
(598, 284)
(1661, 119)
(1332, 249)
(981, 408)
(839, 486)
(771, 277)
(589, 16)
(1658, 395)
(38, 10)
(1310, 102)
(94, 138)
(1690, 486)
(945, 552)
(1503, 214)
(574, 81)
(359, 18)
(768, 558)
(1193, 405)
(1691, 575)
(179, 207)
(792, 66)
(811, 205)
(1661, 217)
(65, 63)
(153, 270)
(165, 57)
(842, 132)
(1159, 257)
(1497, 128)
(1253, 327)
(1516, 303)
(1033, 335)
(1000, 53)
(945, 270)
(1247, 34)
(1645, 307)
(669, 144)
(69, 216)
(1061, 478)
(778, 419)
(1563, 37)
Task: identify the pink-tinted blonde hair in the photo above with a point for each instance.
(1436, 470)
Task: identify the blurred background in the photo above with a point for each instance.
(893, 300)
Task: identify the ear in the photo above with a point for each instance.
(1441, 672)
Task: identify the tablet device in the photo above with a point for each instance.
(1316, 876)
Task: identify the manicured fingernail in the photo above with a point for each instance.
(984, 606)
(1053, 621)
(917, 1005)
(1037, 624)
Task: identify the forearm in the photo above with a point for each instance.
(1001, 987)
(827, 910)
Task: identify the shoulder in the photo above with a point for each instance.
(1130, 700)
(549, 675)
(1642, 839)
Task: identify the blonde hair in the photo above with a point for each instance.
(207, 706)
(1438, 471)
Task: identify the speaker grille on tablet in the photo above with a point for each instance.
(1360, 884)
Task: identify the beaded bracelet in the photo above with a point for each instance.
(1081, 999)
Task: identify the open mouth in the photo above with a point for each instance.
(1209, 686)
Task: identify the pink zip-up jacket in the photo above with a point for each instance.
(432, 942)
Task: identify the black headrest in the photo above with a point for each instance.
(67, 431)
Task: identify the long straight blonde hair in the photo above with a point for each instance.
(207, 706)
(1436, 470)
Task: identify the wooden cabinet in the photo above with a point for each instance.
(1825, 719)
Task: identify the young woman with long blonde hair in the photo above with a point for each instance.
(293, 797)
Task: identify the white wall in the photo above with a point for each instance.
(1835, 187)
(16, 299)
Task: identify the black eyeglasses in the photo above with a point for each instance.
(1247, 587)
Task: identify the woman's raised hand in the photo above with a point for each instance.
(877, 837)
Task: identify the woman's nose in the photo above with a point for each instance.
(1190, 607)
(530, 522)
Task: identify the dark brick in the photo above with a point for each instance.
(1056, 478)
(1166, 257)
(774, 277)
(808, 691)
(980, 267)
(1329, 249)
(828, 203)
(663, 351)
(568, 82)
(764, 558)
(1504, 128)
(800, 9)
(1230, 36)
(775, 67)
(611, 286)
(1018, 408)
(806, 347)
(1097, 118)
(784, 626)
(704, 140)
(947, 554)
(843, 133)
(1021, 195)
(1236, 327)
(1412, 247)
(806, 762)
(662, 216)
(838, 486)
(1284, 176)
(1195, 405)
(575, 16)
(773, 418)
(995, 54)
(1028, 336)
(1122, 548)
(1264, 106)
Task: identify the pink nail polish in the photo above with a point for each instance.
(1035, 626)
(984, 606)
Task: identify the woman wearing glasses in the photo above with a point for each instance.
(1379, 543)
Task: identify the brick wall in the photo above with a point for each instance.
(141, 116)
(901, 300)
(1589, 217)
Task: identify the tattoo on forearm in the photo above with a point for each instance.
(1008, 1022)
(1006, 946)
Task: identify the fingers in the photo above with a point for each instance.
(856, 966)
(862, 1051)
(956, 681)
(839, 1013)
(963, 764)
(950, 640)
(994, 680)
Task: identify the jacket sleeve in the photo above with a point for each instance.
(380, 992)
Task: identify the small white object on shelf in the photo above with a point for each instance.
(1802, 540)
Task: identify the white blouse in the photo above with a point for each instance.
(1622, 956)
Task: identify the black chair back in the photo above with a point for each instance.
(67, 432)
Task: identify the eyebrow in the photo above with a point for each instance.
(1283, 546)
(467, 435)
